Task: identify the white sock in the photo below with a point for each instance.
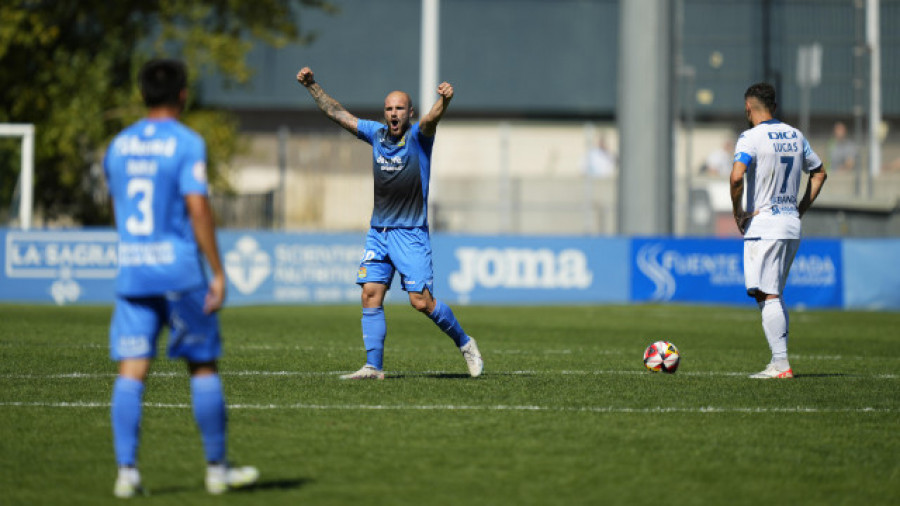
(217, 468)
(131, 474)
(775, 326)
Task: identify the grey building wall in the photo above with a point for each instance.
(558, 58)
(522, 57)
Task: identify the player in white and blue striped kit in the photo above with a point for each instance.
(156, 173)
(398, 238)
(772, 156)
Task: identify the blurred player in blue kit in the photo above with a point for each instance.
(156, 173)
(398, 237)
(772, 155)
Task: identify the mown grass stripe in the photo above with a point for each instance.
(463, 407)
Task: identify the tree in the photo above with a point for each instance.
(70, 68)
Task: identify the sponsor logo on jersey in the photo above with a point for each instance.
(146, 253)
(782, 135)
(393, 164)
(132, 145)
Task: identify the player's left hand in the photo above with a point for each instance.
(306, 77)
(445, 90)
(215, 296)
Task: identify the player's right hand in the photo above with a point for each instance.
(742, 219)
(215, 296)
(305, 77)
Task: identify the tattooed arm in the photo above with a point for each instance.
(331, 107)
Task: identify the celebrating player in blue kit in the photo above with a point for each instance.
(156, 173)
(398, 238)
(772, 155)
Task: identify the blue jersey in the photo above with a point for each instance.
(150, 166)
(401, 172)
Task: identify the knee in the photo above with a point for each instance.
(368, 299)
(371, 296)
(420, 304)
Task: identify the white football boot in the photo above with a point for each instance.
(365, 372)
(222, 478)
(772, 371)
(473, 358)
(128, 483)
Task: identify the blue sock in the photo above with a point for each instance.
(443, 317)
(374, 331)
(209, 412)
(126, 419)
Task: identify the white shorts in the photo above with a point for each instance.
(767, 263)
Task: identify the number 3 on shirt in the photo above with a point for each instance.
(141, 223)
(788, 162)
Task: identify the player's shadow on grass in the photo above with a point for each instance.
(822, 375)
(274, 484)
(282, 484)
(438, 375)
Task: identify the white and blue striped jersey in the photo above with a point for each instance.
(150, 167)
(775, 154)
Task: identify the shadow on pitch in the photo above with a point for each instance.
(283, 484)
(822, 375)
(438, 375)
(280, 484)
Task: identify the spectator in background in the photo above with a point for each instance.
(719, 161)
(599, 162)
(841, 149)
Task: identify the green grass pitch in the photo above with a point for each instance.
(564, 414)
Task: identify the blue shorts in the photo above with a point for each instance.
(405, 250)
(138, 321)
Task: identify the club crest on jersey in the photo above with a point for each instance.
(362, 272)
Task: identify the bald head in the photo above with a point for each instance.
(396, 95)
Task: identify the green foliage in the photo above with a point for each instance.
(565, 412)
(70, 67)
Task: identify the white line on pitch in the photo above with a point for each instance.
(172, 374)
(455, 407)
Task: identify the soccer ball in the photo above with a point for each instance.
(662, 356)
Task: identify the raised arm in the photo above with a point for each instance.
(428, 123)
(331, 107)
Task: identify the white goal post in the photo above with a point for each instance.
(26, 176)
